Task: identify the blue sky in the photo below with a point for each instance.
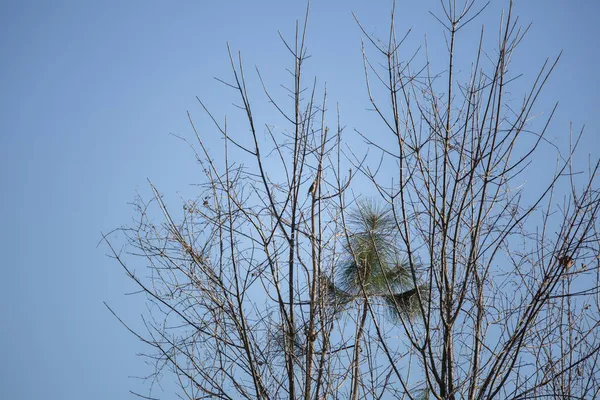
(90, 93)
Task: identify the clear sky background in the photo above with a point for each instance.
(90, 91)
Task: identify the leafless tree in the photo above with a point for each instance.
(283, 279)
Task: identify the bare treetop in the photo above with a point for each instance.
(413, 266)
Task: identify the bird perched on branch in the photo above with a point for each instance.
(565, 261)
(312, 190)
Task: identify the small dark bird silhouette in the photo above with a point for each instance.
(312, 190)
(565, 261)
